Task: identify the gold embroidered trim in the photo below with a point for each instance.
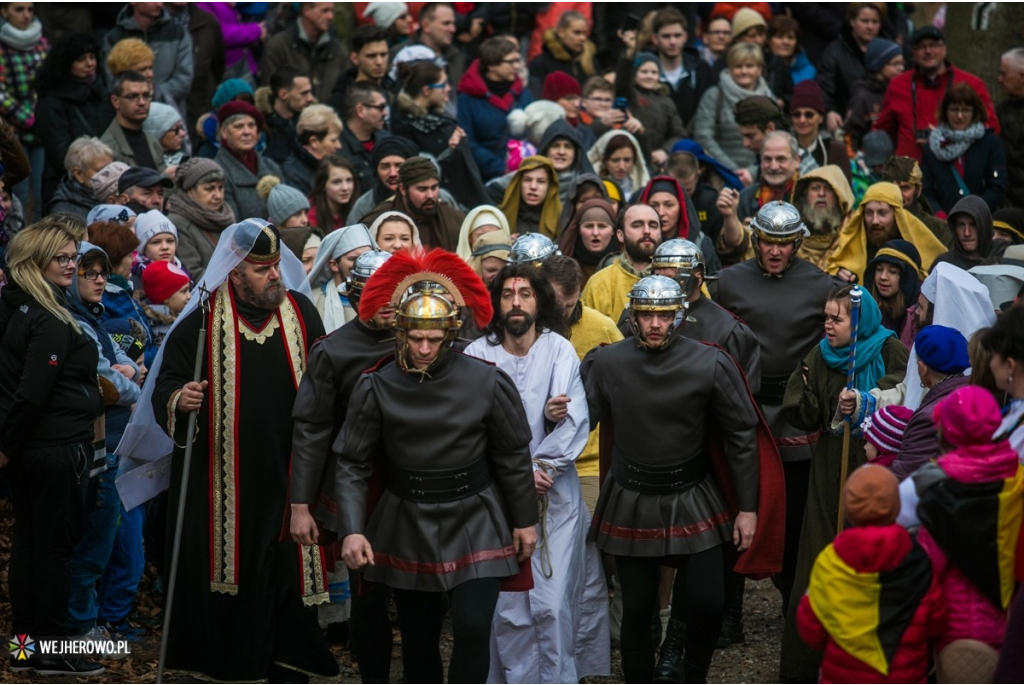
(261, 336)
(172, 407)
(294, 339)
(223, 358)
(314, 588)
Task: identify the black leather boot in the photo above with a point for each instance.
(732, 617)
(638, 666)
(670, 666)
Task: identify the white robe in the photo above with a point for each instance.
(558, 631)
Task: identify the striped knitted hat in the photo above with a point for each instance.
(884, 428)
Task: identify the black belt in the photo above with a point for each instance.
(661, 479)
(439, 485)
(772, 390)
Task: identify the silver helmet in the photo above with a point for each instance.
(779, 222)
(362, 269)
(655, 294)
(532, 248)
(684, 257)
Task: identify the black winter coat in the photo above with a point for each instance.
(984, 175)
(66, 112)
(841, 66)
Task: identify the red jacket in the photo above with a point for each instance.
(898, 117)
(876, 549)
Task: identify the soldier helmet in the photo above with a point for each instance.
(683, 256)
(779, 222)
(532, 248)
(364, 267)
(655, 294)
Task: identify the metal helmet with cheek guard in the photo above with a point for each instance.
(779, 222)
(654, 294)
(532, 248)
(683, 256)
(364, 267)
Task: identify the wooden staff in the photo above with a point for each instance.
(851, 369)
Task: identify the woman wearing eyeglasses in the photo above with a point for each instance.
(164, 125)
(419, 116)
(49, 402)
(963, 156)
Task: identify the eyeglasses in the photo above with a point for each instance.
(93, 275)
(180, 128)
(63, 260)
(439, 86)
(602, 101)
(134, 97)
(961, 111)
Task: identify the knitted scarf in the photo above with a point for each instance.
(948, 144)
(209, 220)
(871, 336)
(19, 39)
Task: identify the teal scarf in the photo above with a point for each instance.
(871, 336)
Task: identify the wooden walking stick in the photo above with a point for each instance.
(204, 306)
(851, 368)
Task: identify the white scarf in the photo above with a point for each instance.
(19, 39)
(335, 313)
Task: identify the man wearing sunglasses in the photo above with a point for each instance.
(366, 112)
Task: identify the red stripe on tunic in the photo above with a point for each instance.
(665, 533)
(442, 567)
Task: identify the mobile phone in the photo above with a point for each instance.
(621, 103)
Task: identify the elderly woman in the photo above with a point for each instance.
(531, 202)
(714, 125)
(85, 158)
(317, 130)
(47, 423)
(73, 101)
(164, 124)
(199, 212)
(239, 132)
(963, 156)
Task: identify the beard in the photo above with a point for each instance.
(427, 209)
(640, 252)
(517, 327)
(823, 221)
(877, 239)
(270, 297)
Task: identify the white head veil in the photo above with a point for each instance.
(960, 301)
(337, 243)
(145, 449)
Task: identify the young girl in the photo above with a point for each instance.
(335, 189)
(883, 433)
(158, 242)
(811, 398)
(168, 289)
(894, 279)
(394, 231)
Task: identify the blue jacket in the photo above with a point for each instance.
(119, 303)
(801, 69)
(482, 116)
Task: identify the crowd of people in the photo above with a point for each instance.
(558, 319)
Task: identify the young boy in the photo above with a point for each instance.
(873, 605)
(168, 291)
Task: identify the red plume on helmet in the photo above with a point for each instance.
(435, 265)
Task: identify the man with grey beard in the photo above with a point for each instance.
(824, 200)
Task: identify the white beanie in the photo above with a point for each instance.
(150, 224)
(384, 14)
(161, 119)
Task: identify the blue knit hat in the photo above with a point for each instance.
(942, 349)
(878, 54)
(229, 90)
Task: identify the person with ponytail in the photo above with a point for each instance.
(49, 402)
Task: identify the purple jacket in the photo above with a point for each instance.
(238, 35)
(920, 441)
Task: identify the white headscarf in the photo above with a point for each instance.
(959, 301)
(638, 177)
(375, 226)
(337, 243)
(145, 448)
(484, 215)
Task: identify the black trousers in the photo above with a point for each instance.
(798, 474)
(370, 629)
(48, 489)
(420, 615)
(698, 600)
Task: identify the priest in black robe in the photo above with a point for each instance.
(243, 608)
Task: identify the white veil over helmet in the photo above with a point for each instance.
(960, 301)
(145, 449)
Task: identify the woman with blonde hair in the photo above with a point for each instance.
(49, 402)
(318, 130)
(132, 54)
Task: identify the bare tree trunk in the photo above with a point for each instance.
(978, 33)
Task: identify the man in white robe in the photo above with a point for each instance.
(558, 631)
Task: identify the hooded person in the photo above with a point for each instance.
(567, 168)
(906, 173)
(392, 146)
(581, 188)
(525, 208)
(379, 239)
(686, 224)
(897, 298)
(335, 255)
(974, 244)
(491, 252)
(590, 247)
(636, 178)
(823, 215)
(968, 504)
(855, 249)
(481, 220)
(727, 176)
(418, 197)
(1008, 225)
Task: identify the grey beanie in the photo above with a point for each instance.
(878, 54)
(161, 119)
(283, 201)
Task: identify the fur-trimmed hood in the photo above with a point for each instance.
(585, 58)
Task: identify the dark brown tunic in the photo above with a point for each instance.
(662, 403)
(464, 410)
